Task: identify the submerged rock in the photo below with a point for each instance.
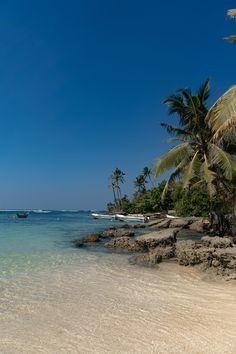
(139, 226)
(90, 238)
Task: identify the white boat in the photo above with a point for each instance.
(171, 216)
(132, 218)
(103, 216)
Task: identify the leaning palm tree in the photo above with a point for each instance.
(203, 156)
(232, 14)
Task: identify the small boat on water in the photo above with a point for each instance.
(22, 215)
(103, 216)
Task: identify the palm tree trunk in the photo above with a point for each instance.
(114, 195)
(234, 216)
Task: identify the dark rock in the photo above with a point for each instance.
(108, 233)
(124, 243)
(158, 238)
(90, 238)
(139, 226)
(126, 226)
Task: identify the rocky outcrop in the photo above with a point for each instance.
(90, 238)
(124, 243)
(164, 224)
(213, 254)
(154, 256)
(154, 239)
(179, 222)
(192, 253)
(197, 226)
(122, 232)
(217, 242)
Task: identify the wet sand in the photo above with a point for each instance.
(101, 304)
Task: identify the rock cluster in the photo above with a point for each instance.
(215, 254)
(192, 223)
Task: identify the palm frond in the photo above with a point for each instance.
(172, 129)
(172, 158)
(174, 140)
(226, 129)
(204, 91)
(191, 171)
(225, 161)
(208, 176)
(173, 176)
(222, 113)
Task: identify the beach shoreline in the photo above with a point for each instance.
(108, 306)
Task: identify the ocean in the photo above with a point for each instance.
(55, 298)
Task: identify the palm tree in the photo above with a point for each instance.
(140, 183)
(203, 156)
(113, 186)
(147, 172)
(222, 120)
(232, 14)
(117, 178)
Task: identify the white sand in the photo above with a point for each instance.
(104, 305)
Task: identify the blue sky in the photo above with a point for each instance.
(82, 85)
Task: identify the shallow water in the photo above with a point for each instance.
(57, 299)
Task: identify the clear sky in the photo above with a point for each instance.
(82, 84)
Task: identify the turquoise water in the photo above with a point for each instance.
(41, 240)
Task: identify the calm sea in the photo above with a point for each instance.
(42, 240)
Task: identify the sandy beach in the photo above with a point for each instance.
(105, 305)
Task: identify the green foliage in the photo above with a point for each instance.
(148, 201)
(194, 203)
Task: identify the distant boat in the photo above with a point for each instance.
(103, 216)
(22, 215)
(132, 218)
